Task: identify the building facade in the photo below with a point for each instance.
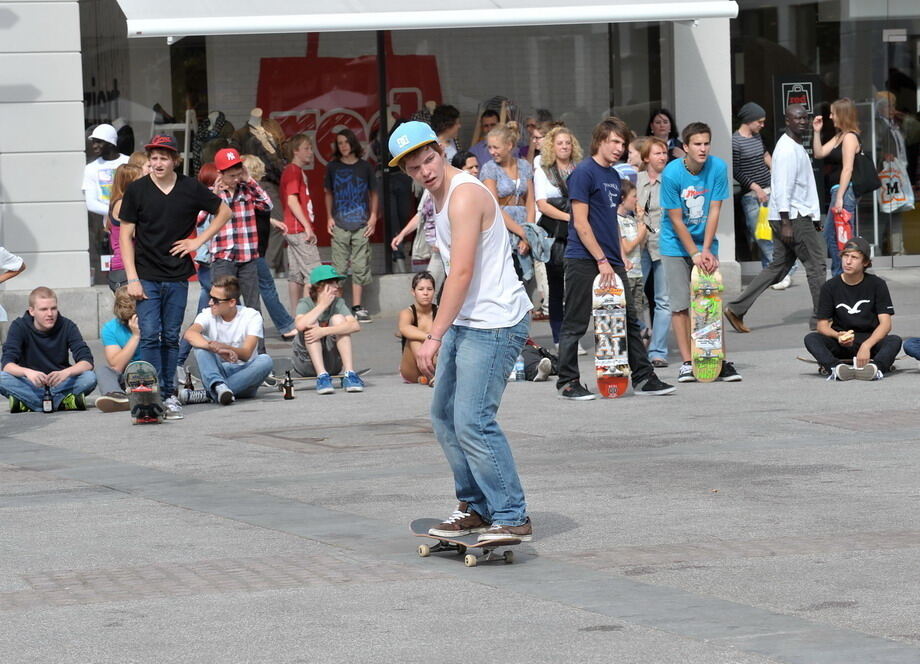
(66, 66)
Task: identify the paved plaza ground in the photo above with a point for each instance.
(773, 520)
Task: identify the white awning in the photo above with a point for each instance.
(180, 18)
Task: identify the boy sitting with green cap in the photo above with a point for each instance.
(326, 324)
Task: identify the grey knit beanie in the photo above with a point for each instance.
(750, 112)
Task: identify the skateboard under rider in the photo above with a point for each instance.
(461, 544)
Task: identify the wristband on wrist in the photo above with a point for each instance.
(433, 338)
(133, 281)
(602, 260)
(699, 253)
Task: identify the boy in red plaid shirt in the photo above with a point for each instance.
(235, 248)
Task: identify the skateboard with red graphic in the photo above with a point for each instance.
(611, 360)
(143, 393)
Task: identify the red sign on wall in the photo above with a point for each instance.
(320, 96)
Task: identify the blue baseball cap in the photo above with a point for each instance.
(407, 137)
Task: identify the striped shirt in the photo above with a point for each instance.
(238, 240)
(748, 165)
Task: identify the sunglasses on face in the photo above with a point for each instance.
(218, 300)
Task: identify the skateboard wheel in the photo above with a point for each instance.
(424, 550)
(469, 560)
(509, 557)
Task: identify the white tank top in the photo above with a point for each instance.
(496, 297)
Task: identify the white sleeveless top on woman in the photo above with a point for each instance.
(496, 297)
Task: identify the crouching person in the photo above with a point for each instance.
(325, 324)
(224, 339)
(36, 359)
(854, 313)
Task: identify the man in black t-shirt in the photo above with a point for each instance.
(854, 320)
(158, 213)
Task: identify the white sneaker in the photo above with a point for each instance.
(223, 394)
(173, 409)
(784, 284)
(544, 368)
(193, 396)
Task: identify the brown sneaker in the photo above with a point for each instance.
(736, 321)
(523, 533)
(463, 521)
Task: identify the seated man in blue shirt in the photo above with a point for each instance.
(36, 359)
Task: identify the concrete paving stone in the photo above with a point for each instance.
(391, 621)
(768, 520)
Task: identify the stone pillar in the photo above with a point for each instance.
(42, 215)
(702, 92)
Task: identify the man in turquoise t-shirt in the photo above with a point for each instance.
(692, 191)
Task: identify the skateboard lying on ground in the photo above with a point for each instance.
(811, 360)
(143, 393)
(610, 357)
(461, 544)
(706, 349)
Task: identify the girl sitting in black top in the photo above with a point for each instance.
(415, 323)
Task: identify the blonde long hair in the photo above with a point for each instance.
(845, 117)
(548, 147)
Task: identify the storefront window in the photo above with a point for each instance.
(843, 48)
(320, 84)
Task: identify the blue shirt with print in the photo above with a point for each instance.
(692, 195)
(599, 187)
(350, 185)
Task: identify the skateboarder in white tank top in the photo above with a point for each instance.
(482, 323)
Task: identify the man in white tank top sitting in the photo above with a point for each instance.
(482, 323)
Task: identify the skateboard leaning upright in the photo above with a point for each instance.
(461, 544)
(611, 360)
(143, 389)
(706, 348)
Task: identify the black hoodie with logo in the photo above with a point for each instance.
(44, 351)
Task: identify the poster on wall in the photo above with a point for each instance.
(320, 96)
(801, 89)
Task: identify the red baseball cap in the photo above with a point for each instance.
(162, 142)
(227, 158)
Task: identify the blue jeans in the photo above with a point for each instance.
(912, 347)
(204, 280)
(661, 314)
(473, 368)
(830, 233)
(279, 315)
(160, 317)
(242, 379)
(22, 389)
(751, 207)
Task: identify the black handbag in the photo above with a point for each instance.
(557, 228)
(865, 177)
